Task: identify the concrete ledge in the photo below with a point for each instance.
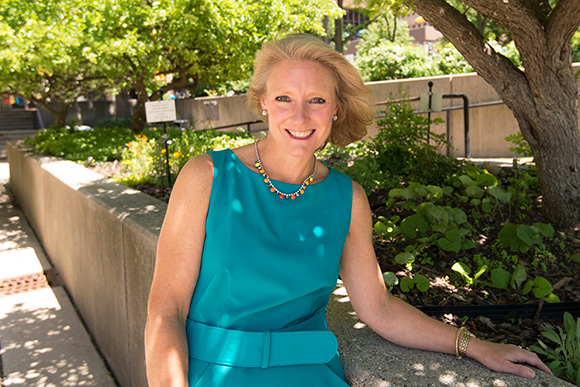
(370, 360)
(102, 236)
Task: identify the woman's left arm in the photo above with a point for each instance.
(400, 322)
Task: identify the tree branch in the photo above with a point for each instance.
(493, 67)
(562, 22)
(517, 16)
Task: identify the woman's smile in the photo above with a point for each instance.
(304, 134)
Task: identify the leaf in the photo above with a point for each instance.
(395, 193)
(439, 214)
(390, 279)
(545, 229)
(569, 371)
(556, 367)
(456, 215)
(463, 270)
(481, 270)
(528, 287)
(537, 349)
(486, 205)
(435, 192)
(518, 276)
(422, 282)
(419, 189)
(466, 180)
(575, 257)
(551, 335)
(487, 179)
(528, 236)
(467, 244)
(412, 225)
(386, 228)
(474, 191)
(408, 194)
(451, 241)
(551, 298)
(500, 278)
(406, 284)
(404, 258)
(569, 324)
(507, 234)
(500, 194)
(542, 287)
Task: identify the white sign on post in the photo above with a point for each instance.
(160, 111)
(436, 99)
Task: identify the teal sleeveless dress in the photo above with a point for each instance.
(257, 315)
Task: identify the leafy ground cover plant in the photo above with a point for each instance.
(564, 349)
(141, 158)
(105, 144)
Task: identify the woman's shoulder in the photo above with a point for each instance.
(199, 166)
(359, 197)
(195, 176)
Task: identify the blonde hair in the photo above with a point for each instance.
(354, 100)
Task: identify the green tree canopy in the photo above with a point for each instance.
(45, 54)
(61, 49)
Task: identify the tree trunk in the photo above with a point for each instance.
(543, 97)
(59, 110)
(558, 165)
(338, 46)
(138, 119)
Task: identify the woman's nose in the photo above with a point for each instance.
(301, 114)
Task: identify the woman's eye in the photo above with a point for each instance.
(318, 100)
(282, 98)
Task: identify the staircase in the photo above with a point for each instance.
(16, 124)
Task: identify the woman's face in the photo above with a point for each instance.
(300, 101)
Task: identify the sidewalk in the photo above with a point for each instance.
(42, 340)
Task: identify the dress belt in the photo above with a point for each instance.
(259, 349)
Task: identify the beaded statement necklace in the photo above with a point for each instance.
(273, 189)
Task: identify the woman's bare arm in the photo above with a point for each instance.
(176, 271)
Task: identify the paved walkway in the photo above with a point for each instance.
(42, 340)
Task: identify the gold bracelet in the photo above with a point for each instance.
(462, 343)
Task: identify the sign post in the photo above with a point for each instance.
(430, 102)
(162, 111)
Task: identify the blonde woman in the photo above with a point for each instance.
(255, 238)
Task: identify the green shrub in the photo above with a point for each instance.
(390, 60)
(103, 144)
(145, 158)
(520, 146)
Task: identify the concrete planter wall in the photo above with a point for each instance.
(101, 237)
